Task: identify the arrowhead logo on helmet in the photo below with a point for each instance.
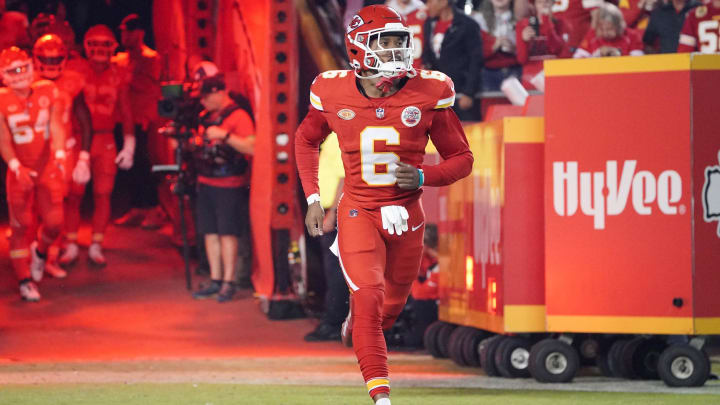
(711, 195)
(355, 23)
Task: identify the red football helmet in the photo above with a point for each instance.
(371, 24)
(41, 25)
(49, 56)
(17, 68)
(100, 43)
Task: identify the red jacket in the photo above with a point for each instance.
(550, 42)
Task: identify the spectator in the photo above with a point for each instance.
(666, 21)
(143, 65)
(330, 180)
(636, 12)
(223, 177)
(700, 30)
(577, 17)
(405, 7)
(541, 34)
(453, 45)
(14, 27)
(497, 23)
(610, 36)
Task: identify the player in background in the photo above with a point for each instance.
(701, 30)
(106, 95)
(51, 60)
(383, 113)
(415, 21)
(32, 142)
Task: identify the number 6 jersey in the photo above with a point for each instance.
(29, 122)
(376, 133)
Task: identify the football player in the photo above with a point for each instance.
(701, 31)
(383, 113)
(50, 59)
(106, 95)
(32, 142)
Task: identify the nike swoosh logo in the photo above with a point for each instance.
(415, 228)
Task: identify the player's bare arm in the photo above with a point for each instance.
(82, 116)
(6, 148)
(124, 158)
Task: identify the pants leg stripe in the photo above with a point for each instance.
(347, 278)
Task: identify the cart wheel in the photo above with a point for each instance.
(430, 338)
(457, 339)
(553, 361)
(627, 356)
(443, 339)
(512, 356)
(470, 347)
(645, 359)
(615, 362)
(683, 366)
(486, 350)
(602, 361)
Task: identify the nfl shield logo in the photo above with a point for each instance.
(353, 213)
(380, 113)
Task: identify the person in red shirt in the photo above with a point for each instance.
(610, 36)
(701, 30)
(576, 15)
(383, 112)
(541, 35)
(226, 143)
(106, 95)
(50, 58)
(497, 22)
(32, 142)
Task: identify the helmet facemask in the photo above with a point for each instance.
(382, 55)
(100, 49)
(18, 75)
(50, 67)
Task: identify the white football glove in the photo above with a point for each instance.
(81, 172)
(124, 158)
(394, 219)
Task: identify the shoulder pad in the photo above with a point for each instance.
(325, 84)
(441, 88)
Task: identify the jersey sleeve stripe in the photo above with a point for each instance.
(687, 40)
(445, 103)
(315, 101)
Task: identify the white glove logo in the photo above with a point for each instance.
(711, 195)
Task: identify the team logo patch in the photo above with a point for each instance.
(346, 114)
(380, 113)
(411, 116)
(353, 213)
(44, 102)
(711, 195)
(701, 11)
(354, 23)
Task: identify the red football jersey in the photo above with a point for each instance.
(376, 133)
(576, 16)
(70, 84)
(29, 122)
(101, 94)
(415, 21)
(701, 30)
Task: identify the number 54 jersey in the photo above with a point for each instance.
(376, 133)
(29, 122)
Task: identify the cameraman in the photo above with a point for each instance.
(223, 160)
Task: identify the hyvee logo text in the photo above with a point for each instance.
(647, 191)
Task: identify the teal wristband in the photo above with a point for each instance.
(422, 178)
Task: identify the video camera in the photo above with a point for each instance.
(181, 106)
